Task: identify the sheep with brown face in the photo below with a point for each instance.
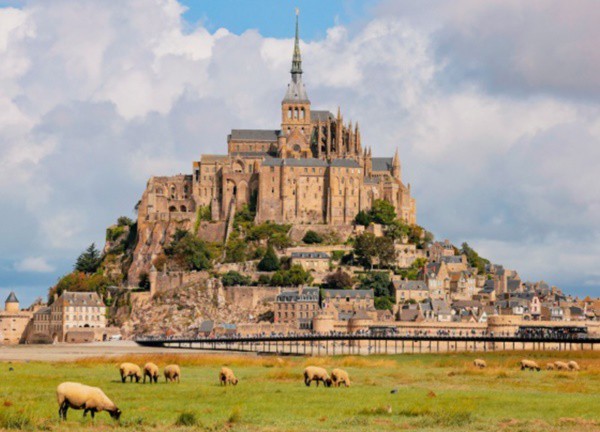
(151, 371)
(317, 374)
(339, 376)
(172, 373)
(89, 399)
(226, 376)
(529, 364)
(479, 363)
(131, 371)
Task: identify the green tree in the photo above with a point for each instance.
(89, 261)
(363, 218)
(365, 249)
(338, 280)
(280, 241)
(232, 278)
(397, 229)
(386, 252)
(80, 282)
(384, 303)
(379, 282)
(474, 259)
(295, 276)
(312, 237)
(236, 249)
(269, 262)
(188, 252)
(383, 212)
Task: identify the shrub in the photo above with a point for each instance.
(337, 255)
(188, 252)
(264, 280)
(236, 249)
(269, 262)
(186, 419)
(383, 212)
(383, 303)
(338, 280)
(379, 282)
(124, 221)
(362, 218)
(295, 276)
(114, 232)
(312, 237)
(232, 278)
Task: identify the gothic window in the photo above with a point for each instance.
(289, 113)
(183, 209)
(173, 195)
(296, 113)
(302, 114)
(172, 209)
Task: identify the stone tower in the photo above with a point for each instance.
(11, 304)
(295, 110)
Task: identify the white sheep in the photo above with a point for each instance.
(529, 364)
(559, 365)
(479, 363)
(131, 371)
(172, 373)
(317, 374)
(573, 365)
(151, 371)
(79, 396)
(226, 376)
(339, 376)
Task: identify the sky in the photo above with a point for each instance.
(494, 107)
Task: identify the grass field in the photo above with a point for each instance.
(435, 392)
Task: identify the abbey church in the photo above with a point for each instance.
(313, 169)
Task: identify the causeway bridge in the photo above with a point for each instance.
(365, 344)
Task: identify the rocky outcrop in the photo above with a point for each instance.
(180, 311)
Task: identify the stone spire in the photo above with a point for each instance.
(296, 91)
(396, 165)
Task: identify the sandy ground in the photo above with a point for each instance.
(65, 352)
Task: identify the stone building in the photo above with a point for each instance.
(72, 317)
(13, 321)
(349, 301)
(297, 308)
(313, 168)
(316, 261)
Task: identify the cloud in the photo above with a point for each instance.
(493, 105)
(34, 264)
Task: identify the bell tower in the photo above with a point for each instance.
(295, 108)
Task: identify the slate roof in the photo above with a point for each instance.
(320, 255)
(347, 163)
(12, 298)
(80, 299)
(381, 164)
(409, 314)
(206, 326)
(454, 259)
(305, 162)
(371, 180)
(253, 135)
(410, 285)
(348, 293)
(318, 115)
(308, 294)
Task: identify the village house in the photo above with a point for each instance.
(297, 307)
(406, 290)
(315, 261)
(348, 301)
(437, 250)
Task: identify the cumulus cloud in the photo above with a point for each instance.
(494, 107)
(34, 264)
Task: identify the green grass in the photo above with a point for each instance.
(435, 393)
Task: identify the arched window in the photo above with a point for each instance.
(159, 191)
(289, 113)
(295, 113)
(183, 209)
(173, 194)
(302, 113)
(172, 209)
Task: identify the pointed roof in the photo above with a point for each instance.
(12, 298)
(296, 91)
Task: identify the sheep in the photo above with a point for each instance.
(480, 363)
(529, 364)
(172, 373)
(573, 365)
(549, 366)
(339, 376)
(80, 396)
(130, 370)
(314, 373)
(559, 365)
(226, 376)
(151, 371)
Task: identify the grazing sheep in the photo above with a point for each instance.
(318, 374)
(151, 371)
(172, 373)
(561, 365)
(80, 396)
(130, 370)
(226, 376)
(529, 364)
(573, 365)
(339, 376)
(549, 366)
(480, 363)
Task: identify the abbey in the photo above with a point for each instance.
(313, 169)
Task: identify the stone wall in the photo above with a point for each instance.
(249, 297)
(165, 281)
